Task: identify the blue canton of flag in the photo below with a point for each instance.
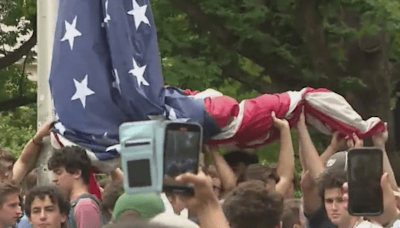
(106, 70)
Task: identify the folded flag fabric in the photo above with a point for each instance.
(106, 70)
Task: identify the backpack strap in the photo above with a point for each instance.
(71, 220)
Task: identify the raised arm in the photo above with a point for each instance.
(285, 169)
(314, 167)
(307, 150)
(379, 141)
(227, 176)
(335, 146)
(30, 154)
(117, 175)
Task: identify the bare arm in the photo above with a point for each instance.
(117, 175)
(379, 141)
(285, 169)
(311, 199)
(227, 176)
(314, 167)
(307, 149)
(329, 151)
(302, 161)
(335, 145)
(30, 154)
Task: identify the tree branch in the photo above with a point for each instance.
(16, 55)
(252, 48)
(234, 72)
(13, 103)
(310, 25)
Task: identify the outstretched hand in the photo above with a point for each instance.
(302, 121)
(204, 196)
(43, 131)
(279, 123)
(354, 142)
(337, 143)
(380, 139)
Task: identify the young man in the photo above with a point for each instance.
(10, 209)
(313, 167)
(70, 166)
(331, 190)
(331, 193)
(46, 207)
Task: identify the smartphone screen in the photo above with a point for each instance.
(142, 167)
(365, 169)
(181, 150)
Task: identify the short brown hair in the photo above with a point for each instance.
(4, 155)
(261, 172)
(72, 158)
(330, 179)
(291, 213)
(251, 204)
(7, 188)
(54, 193)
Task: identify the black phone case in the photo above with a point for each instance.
(362, 188)
(178, 188)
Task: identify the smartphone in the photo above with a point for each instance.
(364, 170)
(182, 146)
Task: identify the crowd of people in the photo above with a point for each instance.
(234, 190)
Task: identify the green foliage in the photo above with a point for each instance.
(17, 128)
(17, 125)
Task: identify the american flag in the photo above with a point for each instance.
(106, 70)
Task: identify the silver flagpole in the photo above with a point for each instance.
(46, 19)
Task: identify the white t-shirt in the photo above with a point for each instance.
(367, 224)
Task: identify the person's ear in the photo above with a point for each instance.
(63, 218)
(77, 174)
(296, 226)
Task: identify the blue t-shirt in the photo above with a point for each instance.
(23, 223)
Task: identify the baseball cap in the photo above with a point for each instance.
(147, 205)
(337, 162)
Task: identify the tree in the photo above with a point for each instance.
(272, 46)
(17, 89)
(18, 94)
(267, 46)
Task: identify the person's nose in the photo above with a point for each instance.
(43, 215)
(19, 211)
(334, 205)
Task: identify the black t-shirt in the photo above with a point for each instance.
(319, 219)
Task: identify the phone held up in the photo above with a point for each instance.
(182, 146)
(154, 153)
(364, 170)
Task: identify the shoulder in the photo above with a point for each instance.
(86, 204)
(367, 224)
